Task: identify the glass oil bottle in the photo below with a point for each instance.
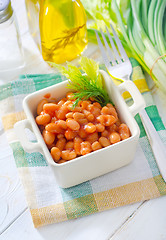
(62, 29)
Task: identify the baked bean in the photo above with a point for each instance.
(69, 134)
(51, 146)
(69, 115)
(85, 148)
(124, 131)
(109, 120)
(92, 137)
(96, 104)
(70, 95)
(86, 112)
(86, 144)
(78, 115)
(96, 145)
(106, 120)
(60, 135)
(62, 124)
(114, 137)
(90, 107)
(96, 111)
(118, 122)
(50, 107)
(82, 133)
(56, 154)
(61, 102)
(78, 140)
(104, 141)
(68, 102)
(77, 145)
(61, 114)
(54, 128)
(113, 128)
(48, 137)
(43, 112)
(54, 119)
(61, 143)
(113, 112)
(40, 106)
(88, 115)
(109, 105)
(70, 106)
(68, 155)
(82, 121)
(101, 119)
(77, 109)
(47, 95)
(100, 127)
(43, 119)
(84, 104)
(69, 145)
(90, 128)
(105, 133)
(105, 110)
(73, 124)
(61, 161)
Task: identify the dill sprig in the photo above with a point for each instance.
(86, 89)
(89, 85)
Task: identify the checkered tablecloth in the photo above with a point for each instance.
(48, 203)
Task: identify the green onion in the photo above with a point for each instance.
(141, 26)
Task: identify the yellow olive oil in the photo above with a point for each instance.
(62, 29)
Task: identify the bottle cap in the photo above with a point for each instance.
(6, 10)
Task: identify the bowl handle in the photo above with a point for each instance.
(28, 146)
(139, 102)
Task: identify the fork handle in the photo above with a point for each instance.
(158, 148)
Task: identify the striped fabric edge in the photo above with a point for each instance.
(98, 202)
(10, 119)
(29, 85)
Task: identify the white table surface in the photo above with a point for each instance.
(139, 221)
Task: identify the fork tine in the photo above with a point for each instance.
(104, 55)
(113, 47)
(119, 44)
(110, 53)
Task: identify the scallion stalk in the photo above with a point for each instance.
(141, 26)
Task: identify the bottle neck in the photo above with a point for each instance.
(6, 11)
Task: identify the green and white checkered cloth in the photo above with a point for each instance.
(48, 203)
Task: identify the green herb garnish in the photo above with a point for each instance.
(85, 86)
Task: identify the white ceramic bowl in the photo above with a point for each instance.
(96, 163)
